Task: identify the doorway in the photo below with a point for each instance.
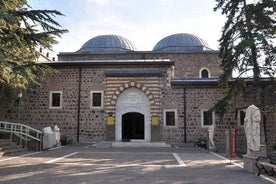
(132, 115)
(133, 126)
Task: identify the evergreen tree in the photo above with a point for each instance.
(247, 47)
(22, 31)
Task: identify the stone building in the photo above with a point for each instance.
(107, 90)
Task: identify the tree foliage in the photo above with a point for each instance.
(22, 31)
(247, 47)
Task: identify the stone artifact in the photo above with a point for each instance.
(252, 128)
(211, 132)
(57, 133)
(49, 139)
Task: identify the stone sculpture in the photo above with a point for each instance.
(57, 133)
(252, 128)
(211, 132)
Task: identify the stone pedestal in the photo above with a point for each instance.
(249, 160)
(249, 163)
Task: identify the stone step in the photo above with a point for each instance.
(183, 145)
(141, 144)
(9, 147)
(5, 142)
(13, 150)
(103, 144)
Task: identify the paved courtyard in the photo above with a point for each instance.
(85, 164)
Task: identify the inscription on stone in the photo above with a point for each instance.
(133, 98)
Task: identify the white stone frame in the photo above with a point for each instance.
(175, 117)
(91, 100)
(202, 118)
(140, 104)
(204, 68)
(51, 98)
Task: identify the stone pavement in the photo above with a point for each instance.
(84, 164)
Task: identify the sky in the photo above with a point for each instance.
(142, 22)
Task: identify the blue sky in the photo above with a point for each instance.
(143, 22)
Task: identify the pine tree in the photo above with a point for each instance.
(247, 48)
(22, 31)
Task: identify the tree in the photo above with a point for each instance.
(22, 31)
(246, 47)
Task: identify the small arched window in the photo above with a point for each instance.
(204, 73)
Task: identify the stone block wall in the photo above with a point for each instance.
(189, 64)
(35, 110)
(186, 64)
(196, 101)
(92, 120)
(271, 131)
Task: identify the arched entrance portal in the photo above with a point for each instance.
(132, 117)
(133, 126)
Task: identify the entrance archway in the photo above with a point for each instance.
(132, 117)
(133, 126)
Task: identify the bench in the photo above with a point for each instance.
(268, 164)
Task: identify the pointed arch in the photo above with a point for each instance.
(132, 84)
(204, 73)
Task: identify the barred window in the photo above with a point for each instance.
(96, 99)
(55, 100)
(207, 117)
(170, 117)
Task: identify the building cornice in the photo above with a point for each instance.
(110, 62)
(215, 81)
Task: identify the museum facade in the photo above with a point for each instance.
(109, 91)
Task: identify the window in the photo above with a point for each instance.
(55, 100)
(204, 73)
(241, 116)
(170, 117)
(207, 118)
(97, 99)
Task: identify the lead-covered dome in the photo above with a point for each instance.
(182, 42)
(107, 43)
